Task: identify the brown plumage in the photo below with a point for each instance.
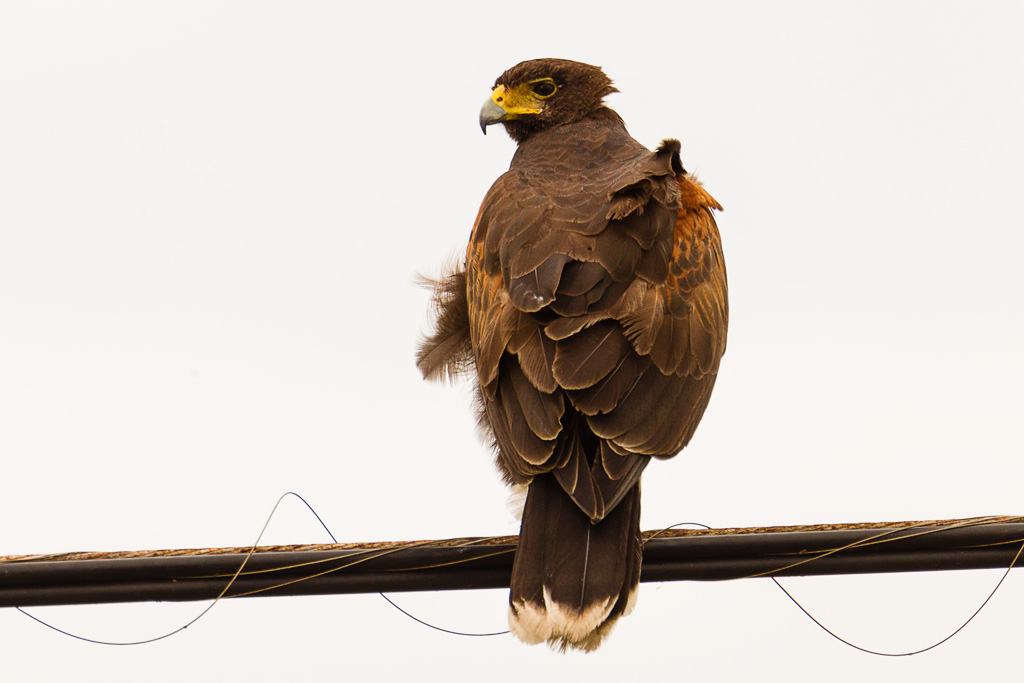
(593, 308)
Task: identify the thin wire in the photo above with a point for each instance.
(438, 628)
(231, 581)
(853, 645)
(903, 654)
(198, 616)
(659, 532)
(392, 602)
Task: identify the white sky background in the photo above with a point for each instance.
(211, 214)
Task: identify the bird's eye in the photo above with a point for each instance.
(544, 89)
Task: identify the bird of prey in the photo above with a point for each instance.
(592, 311)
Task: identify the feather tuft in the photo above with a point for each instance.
(447, 352)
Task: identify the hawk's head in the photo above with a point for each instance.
(544, 93)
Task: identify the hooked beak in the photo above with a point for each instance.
(490, 114)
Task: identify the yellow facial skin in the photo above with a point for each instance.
(523, 100)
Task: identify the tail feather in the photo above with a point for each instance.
(572, 579)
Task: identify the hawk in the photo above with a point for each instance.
(592, 310)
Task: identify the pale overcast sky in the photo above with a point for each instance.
(211, 216)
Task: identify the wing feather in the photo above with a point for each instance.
(585, 358)
(522, 440)
(606, 394)
(543, 411)
(537, 356)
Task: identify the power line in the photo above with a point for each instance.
(468, 563)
